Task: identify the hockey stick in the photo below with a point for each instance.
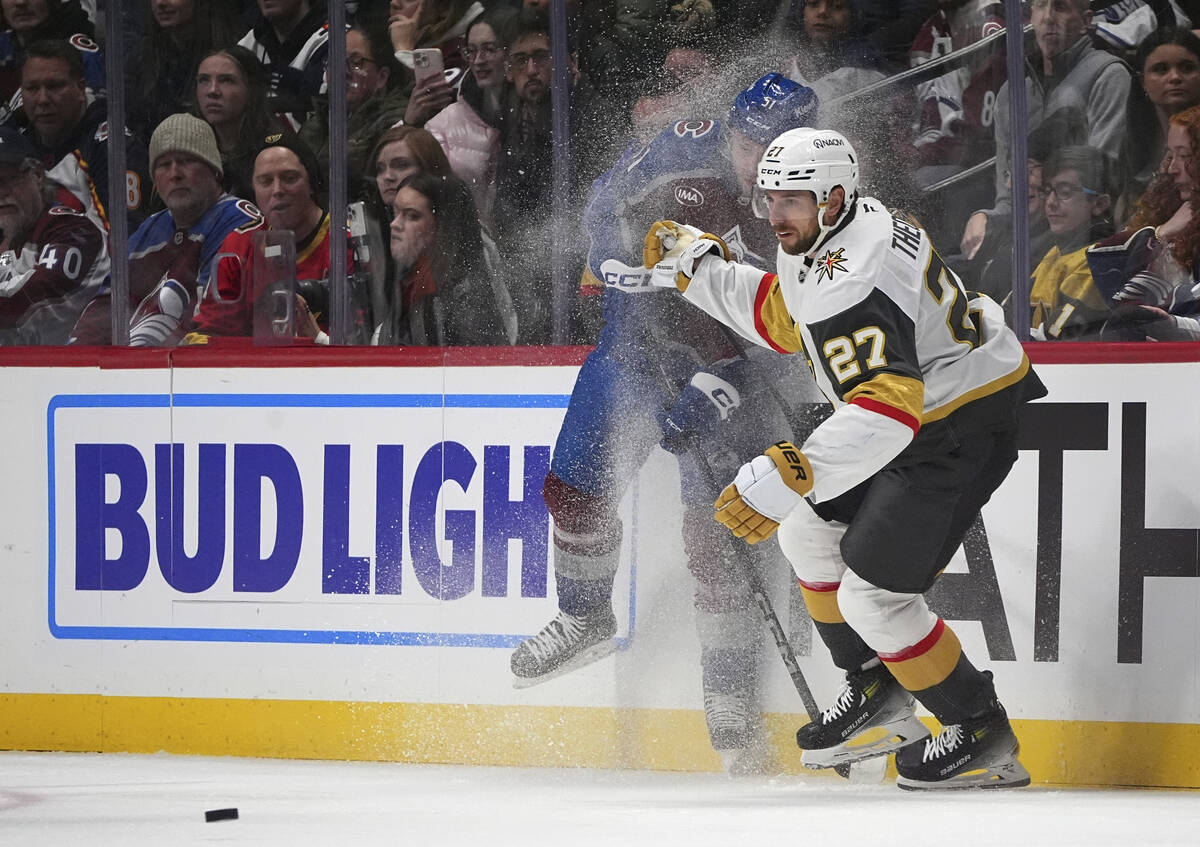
(865, 770)
(782, 645)
(862, 771)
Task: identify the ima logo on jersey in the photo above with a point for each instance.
(685, 195)
(833, 260)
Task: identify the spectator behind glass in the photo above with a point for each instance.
(1168, 65)
(832, 57)
(400, 152)
(291, 39)
(430, 24)
(1079, 193)
(54, 257)
(71, 137)
(231, 95)
(1063, 69)
(25, 21)
(889, 26)
(171, 254)
(160, 73)
(468, 129)
(289, 191)
(835, 59)
(525, 192)
(991, 270)
(954, 121)
(372, 97)
(442, 24)
(1152, 268)
(687, 81)
(446, 292)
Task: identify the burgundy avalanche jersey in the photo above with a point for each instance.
(683, 174)
(46, 283)
(957, 108)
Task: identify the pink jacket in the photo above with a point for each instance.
(472, 146)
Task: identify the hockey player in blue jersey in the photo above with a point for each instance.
(664, 374)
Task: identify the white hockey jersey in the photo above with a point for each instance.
(893, 339)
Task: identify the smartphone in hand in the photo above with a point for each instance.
(427, 63)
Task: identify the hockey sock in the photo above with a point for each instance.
(849, 651)
(730, 670)
(942, 678)
(582, 597)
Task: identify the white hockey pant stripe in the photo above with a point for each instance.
(583, 566)
(888, 621)
(811, 545)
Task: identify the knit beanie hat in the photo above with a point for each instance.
(184, 133)
(308, 160)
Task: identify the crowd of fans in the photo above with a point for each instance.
(454, 180)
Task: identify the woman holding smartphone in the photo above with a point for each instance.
(417, 28)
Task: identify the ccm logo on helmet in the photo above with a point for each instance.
(819, 143)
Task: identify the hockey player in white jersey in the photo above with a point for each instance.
(926, 381)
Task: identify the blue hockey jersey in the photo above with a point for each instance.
(685, 173)
(169, 269)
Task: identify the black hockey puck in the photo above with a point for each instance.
(220, 815)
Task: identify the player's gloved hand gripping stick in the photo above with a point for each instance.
(764, 491)
(672, 250)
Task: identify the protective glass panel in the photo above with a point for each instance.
(274, 288)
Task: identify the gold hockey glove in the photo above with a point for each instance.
(672, 250)
(764, 492)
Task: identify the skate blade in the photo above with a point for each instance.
(748, 762)
(1011, 774)
(874, 742)
(585, 657)
(868, 771)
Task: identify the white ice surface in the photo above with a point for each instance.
(129, 800)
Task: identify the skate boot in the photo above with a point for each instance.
(566, 643)
(736, 730)
(872, 716)
(979, 753)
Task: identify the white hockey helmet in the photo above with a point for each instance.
(807, 159)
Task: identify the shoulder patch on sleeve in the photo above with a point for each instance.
(831, 262)
(695, 129)
(81, 42)
(250, 211)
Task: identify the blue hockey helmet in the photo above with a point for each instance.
(770, 107)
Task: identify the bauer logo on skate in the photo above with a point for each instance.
(427, 525)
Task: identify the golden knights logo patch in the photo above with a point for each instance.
(833, 260)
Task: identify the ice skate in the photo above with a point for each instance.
(872, 716)
(980, 753)
(736, 730)
(566, 643)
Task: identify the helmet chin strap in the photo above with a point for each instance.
(826, 229)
